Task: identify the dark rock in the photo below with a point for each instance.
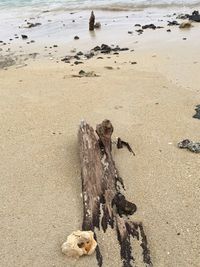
(183, 16)
(77, 57)
(124, 49)
(79, 53)
(76, 37)
(173, 23)
(89, 55)
(105, 49)
(140, 31)
(1, 41)
(55, 45)
(117, 48)
(100, 58)
(31, 25)
(149, 26)
(134, 63)
(130, 32)
(67, 58)
(168, 30)
(78, 62)
(190, 145)
(184, 39)
(195, 16)
(81, 72)
(137, 25)
(73, 20)
(116, 53)
(97, 48)
(24, 36)
(197, 115)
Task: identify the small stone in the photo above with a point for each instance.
(140, 31)
(185, 24)
(24, 36)
(76, 37)
(149, 26)
(172, 23)
(97, 48)
(77, 57)
(97, 25)
(108, 67)
(78, 62)
(79, 53)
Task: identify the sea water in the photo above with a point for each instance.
(94, 4)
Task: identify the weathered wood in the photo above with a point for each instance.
(101, 187)
(91, 21)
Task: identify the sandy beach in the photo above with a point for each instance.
(150, 95)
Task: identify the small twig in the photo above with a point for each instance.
(121, 144)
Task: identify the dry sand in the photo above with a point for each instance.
(150, 104)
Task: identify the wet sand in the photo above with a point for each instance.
(150, 104)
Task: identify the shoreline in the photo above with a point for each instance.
(60, 29)
(159, 46)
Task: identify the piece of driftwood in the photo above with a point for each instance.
(92, 21)
(103, 202)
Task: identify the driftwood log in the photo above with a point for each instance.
(91, 21)
(101, 187)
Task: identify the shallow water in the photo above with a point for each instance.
(94, 4)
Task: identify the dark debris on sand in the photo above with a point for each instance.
(103, 49)
(197, 115)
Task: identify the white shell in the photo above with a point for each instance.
(79, 243)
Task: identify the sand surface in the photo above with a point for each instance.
(150, 104)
